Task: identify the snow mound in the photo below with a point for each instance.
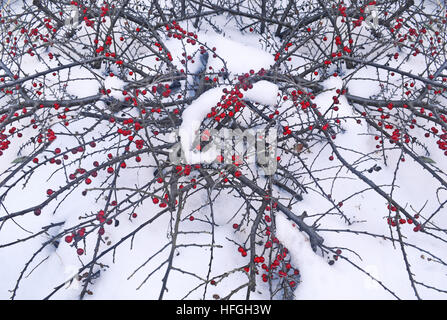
(116, 86)
(263, 92)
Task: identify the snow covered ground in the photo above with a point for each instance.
(370, 266)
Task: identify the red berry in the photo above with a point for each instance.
(81, 232)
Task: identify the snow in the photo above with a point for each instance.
(239, 56)
(263, 92)
(241, 52)
(116, 85)
(191, 119)
(378, 257)
(319, 279)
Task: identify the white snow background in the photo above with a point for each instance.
(379, 257)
